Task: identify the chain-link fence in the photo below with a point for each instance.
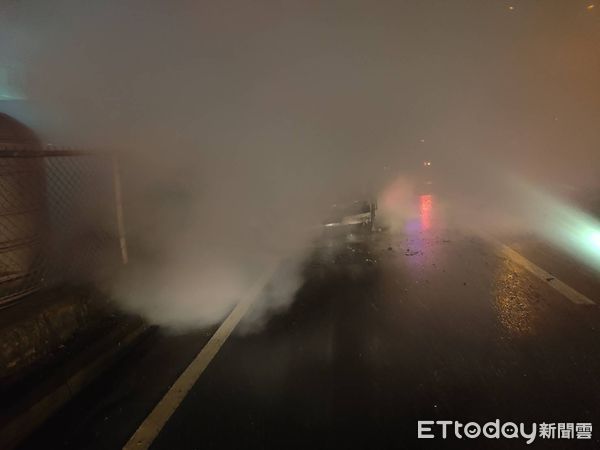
(60, 219)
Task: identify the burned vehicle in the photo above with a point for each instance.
(358, 215)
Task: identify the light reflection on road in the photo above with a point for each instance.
(425, 202)
(422, 233)
(416, 226)
(515, 312)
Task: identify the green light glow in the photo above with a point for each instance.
(576, 232)
(568, 227)
(595, 238)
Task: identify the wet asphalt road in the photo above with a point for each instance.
(423, 323)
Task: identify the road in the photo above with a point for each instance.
(425, 323)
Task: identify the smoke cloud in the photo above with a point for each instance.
(239, 123)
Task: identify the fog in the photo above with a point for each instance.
(239, 123)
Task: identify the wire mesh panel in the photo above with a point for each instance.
(21, 214)
(57, 220)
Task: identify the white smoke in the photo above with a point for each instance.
(239, 123)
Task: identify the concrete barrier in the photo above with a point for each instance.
(51, 347)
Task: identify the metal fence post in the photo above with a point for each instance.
(119, 209)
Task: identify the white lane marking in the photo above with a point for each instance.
(156, 420)
(546, 277)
